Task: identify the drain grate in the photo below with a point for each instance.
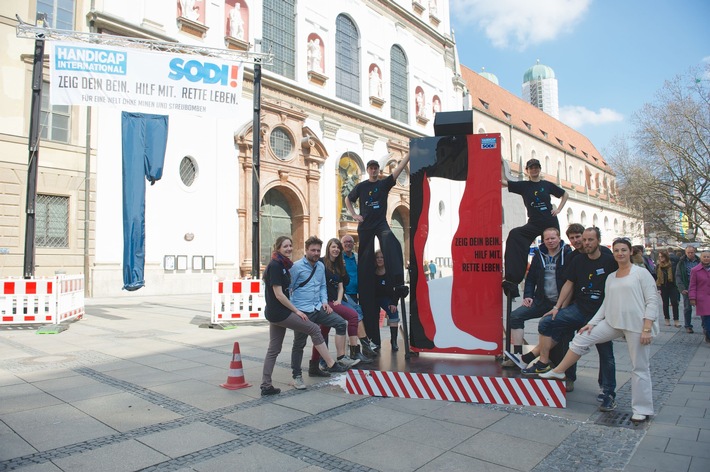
(620, 419)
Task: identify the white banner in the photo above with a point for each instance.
(137, 80)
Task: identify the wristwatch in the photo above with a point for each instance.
(646, 330)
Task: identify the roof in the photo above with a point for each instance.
(497, 102)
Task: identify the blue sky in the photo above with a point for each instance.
(609, 56)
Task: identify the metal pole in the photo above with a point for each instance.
(32, 165)
(255, 187)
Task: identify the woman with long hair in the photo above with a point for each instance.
(282, 315)
(630, 309)
(665, 280)
(386, 299)
(336, 277)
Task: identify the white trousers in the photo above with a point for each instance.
(641, 390)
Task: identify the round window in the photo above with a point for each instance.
(188, 171)
(281, 143)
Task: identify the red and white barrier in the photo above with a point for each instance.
(238, 300)
(41, 301)
(457, 388)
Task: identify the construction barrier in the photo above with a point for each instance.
(457, 388)
(49, 300)
(237, 300)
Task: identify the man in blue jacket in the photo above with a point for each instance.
(542, 286)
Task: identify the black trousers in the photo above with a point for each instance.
(517, 246)
(394, 268)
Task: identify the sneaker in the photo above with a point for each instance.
(600, 397)
(511, 289)
(638, 418)
(345, 360)
(337, 368)
(270, 390)
(374, 346)
(298, 383)
(536, 369)
(689, 330)
(609, 404)
(514, 359)
(323, 365)
(552, 375)
(367, 349)
(569, 385)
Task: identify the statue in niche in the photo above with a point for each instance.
(236, 22)
(190, 10)
(419, 100)
(349, 178)
(375, 83)
(313, 55)
(432, 7)
(436, 106)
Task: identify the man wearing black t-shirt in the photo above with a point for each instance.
(586, 277)
(372, 222)
(536, 194)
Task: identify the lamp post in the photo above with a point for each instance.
(256, 149)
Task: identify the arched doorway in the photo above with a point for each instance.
(276, 220)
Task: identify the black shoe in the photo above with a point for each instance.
(270, 390)
(689, 330)
(314, 370)
(511, 289)
(395, 348)
(356, 354)
(536, 368)
(367, 349)
(401, 291)
(608, 404)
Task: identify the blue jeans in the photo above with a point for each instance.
(352, 304)
(319, 317)
(523, 313)
(705, 321)
(687, 311)
(571, 319)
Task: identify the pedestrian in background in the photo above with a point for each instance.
(432, 270)
(699, 291)
(665, 280)
(682, 281)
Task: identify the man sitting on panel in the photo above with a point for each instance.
(542, 288)
(584, 286)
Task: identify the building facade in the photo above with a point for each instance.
(350, 81)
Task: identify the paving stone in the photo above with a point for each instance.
(186, 439)
(654, 443)
(124, 456)
(12, 445)
(475, 416)
(652, 460)
(313, 401)
(536, 429)
(496, 448)
(124, 411)
(688, 448)
(23, 397)
(330, 436)
(266, 416)
(699, 464)
(436, 433)
(453, 462)
(673, 431)
(377, 453)
(375, 418)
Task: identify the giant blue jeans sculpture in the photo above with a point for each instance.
(144, 141)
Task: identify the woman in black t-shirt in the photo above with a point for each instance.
(282, 314)
(386, 298)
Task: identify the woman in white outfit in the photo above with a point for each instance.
(630, 309)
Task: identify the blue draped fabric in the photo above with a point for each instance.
(144, 139)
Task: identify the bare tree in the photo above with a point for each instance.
(666, 175)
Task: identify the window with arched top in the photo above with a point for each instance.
(518, 153)
(583, 219)
(581, 178)
(623, 227)
(547, 165)
(595, 220)
(570, 216)
(347, 60)
(399, 84)
(570, 174)
(616, 225)
(606, 223)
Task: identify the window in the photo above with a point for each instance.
(280, 35)
(60, 13)
(52, 221)
(54, 119)
(188, 171)
(399, 85)
(280, 142)
(347, 60)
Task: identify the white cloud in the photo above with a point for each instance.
(578, 116)
(521, 23)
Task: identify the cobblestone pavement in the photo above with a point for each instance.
(133, 386)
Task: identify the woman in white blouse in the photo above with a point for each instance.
(630, 309)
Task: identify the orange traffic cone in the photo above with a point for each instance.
(235, 379)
